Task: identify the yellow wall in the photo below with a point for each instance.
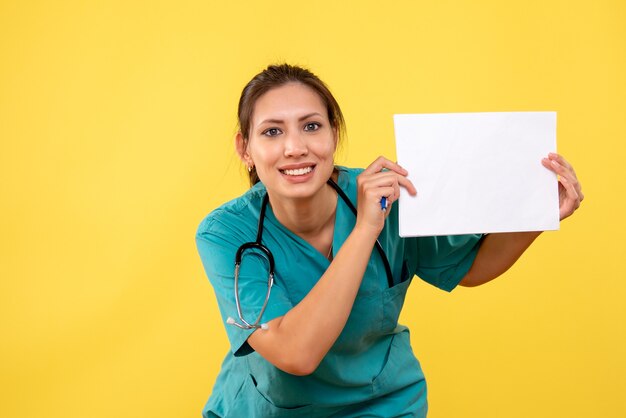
(116, 120)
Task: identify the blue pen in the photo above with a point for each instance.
(383, 203)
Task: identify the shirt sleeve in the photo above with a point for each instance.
(217, 246)
(444, 260)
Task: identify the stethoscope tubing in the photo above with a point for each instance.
(257, 245)
(379, 247)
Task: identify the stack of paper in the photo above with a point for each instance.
(477, 172)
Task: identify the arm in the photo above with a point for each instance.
(298, 341)
(498, 252)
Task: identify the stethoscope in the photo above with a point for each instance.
(257, 245)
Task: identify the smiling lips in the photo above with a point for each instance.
(297, 171)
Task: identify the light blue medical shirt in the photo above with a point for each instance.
(371, 369)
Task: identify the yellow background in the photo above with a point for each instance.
(116, 122)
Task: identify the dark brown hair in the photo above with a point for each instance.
(276, 76)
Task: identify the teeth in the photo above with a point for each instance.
(298, 171)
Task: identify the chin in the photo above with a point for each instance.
(300, 191)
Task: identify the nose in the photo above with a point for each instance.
(295, 145)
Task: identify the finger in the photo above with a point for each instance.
(553, 156)
(389, 178)
(395, 195)
(568, 174)
(571, 201)
(382, 162)
(558, 168)
(408, 185)
(396, 192)
(578, 188)
(384, 182)
(375, 195)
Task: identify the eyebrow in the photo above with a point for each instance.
(300, 119)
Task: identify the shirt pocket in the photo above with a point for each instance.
(393, 300)
(362, 325)
(250, 402)
(401, 367)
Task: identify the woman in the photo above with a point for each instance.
(326, 341)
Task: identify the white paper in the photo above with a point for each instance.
(477, 172)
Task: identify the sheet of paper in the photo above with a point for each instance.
(477, 172)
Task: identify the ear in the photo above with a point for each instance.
(242, 149)
(335, 137)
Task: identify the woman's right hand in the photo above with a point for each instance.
(383, 178)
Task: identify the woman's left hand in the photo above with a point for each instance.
(570, 191)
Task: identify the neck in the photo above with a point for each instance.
(310, 217)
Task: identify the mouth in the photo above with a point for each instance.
(302, 171)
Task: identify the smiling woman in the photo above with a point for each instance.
(277, 76)
(291, 142)
(326, 339)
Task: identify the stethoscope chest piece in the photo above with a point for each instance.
(256, 245)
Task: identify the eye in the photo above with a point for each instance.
(312, 126)
(272, 132)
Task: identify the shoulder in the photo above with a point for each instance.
(351, 173)
(347, 181)
(235, 216)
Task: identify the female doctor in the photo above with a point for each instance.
(326, 341)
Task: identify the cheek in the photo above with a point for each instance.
(330, 151)
(266, 154)
(326, 148)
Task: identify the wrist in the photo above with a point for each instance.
(365, 233)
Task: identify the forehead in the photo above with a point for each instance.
(287, 101)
